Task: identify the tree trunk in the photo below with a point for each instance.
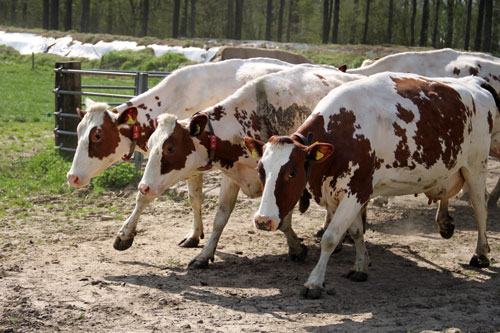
(479, 26)
(389, 23)
(467, 25)
(335, 30)
(145, 17)
(238, 22)
(280, 20)
(230, 19)
(184, 18)
(412, 22)
(488, 17)
(425, 22)
(436, 23)
(326, 22)
(175, 19)
(193, 17)
(24, 11)
(109, 19)
(269, 19)
(54, 14)
(85, 15)
(367, 16)
(291, 9)
(354, 24)
(13, 10)
(68, 21)
(46, 8)
(449, 29)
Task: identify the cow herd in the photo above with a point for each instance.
(409, 123)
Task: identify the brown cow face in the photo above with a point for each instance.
(102, 141)
(175, 155)
(282, 170)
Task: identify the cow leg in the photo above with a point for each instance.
(227, 200)
(359, 271)
(328, 218)
(444, 220)
(126, 233)
(347, 211)
(195, 186)
(477, 192)
(494, 195)
(296, 250)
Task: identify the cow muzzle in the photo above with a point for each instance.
(265, 223)
(146, 190)
(75, 181)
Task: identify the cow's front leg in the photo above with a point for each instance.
(195, 187)
(494, 195)
(444, 220)
(126, 233)
(227, 200)
(296, 250)
(344, 216)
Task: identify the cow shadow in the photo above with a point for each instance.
(398, 288)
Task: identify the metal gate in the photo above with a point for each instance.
(68, 97)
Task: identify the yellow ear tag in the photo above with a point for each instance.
(130, 120)
(319, 155)
(197, 130)
(255, 153)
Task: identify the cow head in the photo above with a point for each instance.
(175, 153)
(103, 139)
(283, 173)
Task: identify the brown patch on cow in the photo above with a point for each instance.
(479, 65)
(157, 98)
(111, 138)
(217, 113)
(456, 71)
(323, 80)
(405, 115)
(226, 153)
(142, 106)
(473, 71)
(159, 103)
(251, 123)
(146, 130)
(176, 149)
(402, 153)
(494, 77)
(443, 118)
(280, 121)
(490, 122)
(113, 110)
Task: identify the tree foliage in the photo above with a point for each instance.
(302, 21)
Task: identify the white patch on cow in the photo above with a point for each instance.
(275, 156)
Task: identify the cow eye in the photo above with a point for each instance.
(292, 174)
(96, 136)
(170, 150)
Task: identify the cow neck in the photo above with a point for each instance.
(212, 144)
(306, 196)
(136, 130)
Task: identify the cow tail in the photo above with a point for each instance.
(493, 93)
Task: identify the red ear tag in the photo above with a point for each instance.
(213, 141)
(135, 134)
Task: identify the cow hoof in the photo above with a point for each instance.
(319, 233)
(311, 293)
(121, 244)
(338, 248)
(298, 256)
(447, 232)
(189, 242)
(357, 276)
(479, 261)
(198, 264)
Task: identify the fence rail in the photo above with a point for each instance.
(68, 92)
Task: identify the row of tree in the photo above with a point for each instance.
(440, 23)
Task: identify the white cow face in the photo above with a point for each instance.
(175, 154)
(104, 137)
(282, 171)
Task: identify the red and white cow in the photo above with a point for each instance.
(442, 63)
(105, 136)
(273, 104)
(387, 134)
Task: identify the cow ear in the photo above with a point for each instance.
(198, 124)
(89, 103)
(342, 68)
(81, 112)
(319, 152)
(254, 146)
(128, 116)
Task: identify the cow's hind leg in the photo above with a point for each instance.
(444, 220)
(359, 271)
(348, 210)
(476, 182)
(126, 233)
(227, 200)
(296, 250)
(195, 187)
(494, 195)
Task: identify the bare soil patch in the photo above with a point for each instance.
(59, 272)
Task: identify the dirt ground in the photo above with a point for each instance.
(59, 272)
